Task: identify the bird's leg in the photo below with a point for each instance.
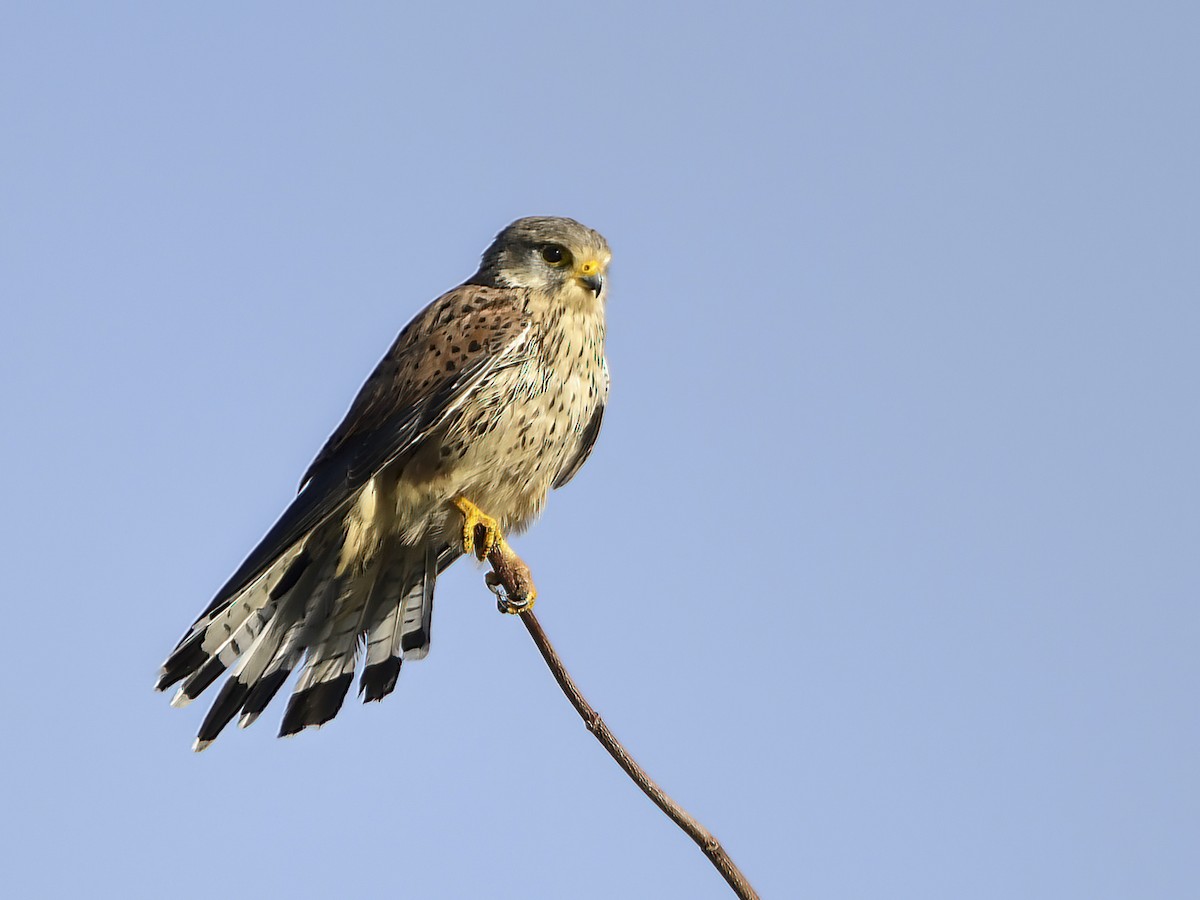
(482, 539)
(474, 516)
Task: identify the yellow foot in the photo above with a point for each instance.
(473, 517)
(515, 592)
(510, 579)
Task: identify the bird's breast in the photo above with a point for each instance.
(513, 435)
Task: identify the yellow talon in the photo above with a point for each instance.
(521, 584)
(473, 516)
(511, 581)
(514, 608)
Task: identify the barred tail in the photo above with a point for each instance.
(301, 608)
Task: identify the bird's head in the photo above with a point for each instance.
(559, 257)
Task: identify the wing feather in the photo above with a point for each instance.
(436, 363)
(587, 438)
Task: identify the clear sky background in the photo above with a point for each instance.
(885, 564)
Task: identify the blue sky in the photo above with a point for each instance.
(884, 565)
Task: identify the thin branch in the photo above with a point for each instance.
(510, 573)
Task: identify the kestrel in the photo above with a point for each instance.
(490, 397)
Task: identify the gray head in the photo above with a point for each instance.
(559, 257)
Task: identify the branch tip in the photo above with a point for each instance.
(510, 573)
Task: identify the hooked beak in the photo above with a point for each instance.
(595, 283)
(589, 275)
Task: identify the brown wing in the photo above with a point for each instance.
(438, 360)
(434, 360)
(587, 438)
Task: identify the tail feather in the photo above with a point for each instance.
(382, 666)
(314, 605)
(403, 631)
(248, 673)
(214, 628)
(417, 611)
(225, 707)
(301, 608)
(265, 689)
(327, 674)
(333, 654)
(314, 706)
(226, 655)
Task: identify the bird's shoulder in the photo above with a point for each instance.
(434, 355)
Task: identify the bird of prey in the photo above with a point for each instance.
(491, 396)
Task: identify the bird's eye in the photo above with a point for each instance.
(555, 255)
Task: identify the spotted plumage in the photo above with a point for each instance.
(489, 398)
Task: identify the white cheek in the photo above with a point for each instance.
(575, 293)
(532, 279)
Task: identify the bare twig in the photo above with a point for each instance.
(511, 574)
